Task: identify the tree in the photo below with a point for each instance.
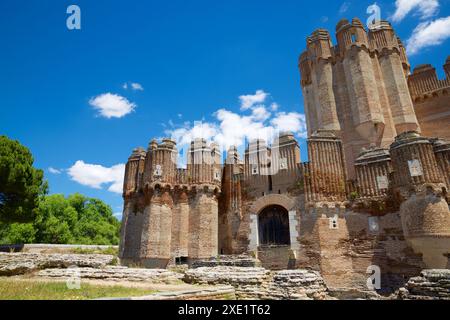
(59, 220)
(76, 219)
(21, 185)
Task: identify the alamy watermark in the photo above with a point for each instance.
(375, 16)
(73, 22)
(73, 282)
(374, 281)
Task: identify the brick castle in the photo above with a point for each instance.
(374, 192)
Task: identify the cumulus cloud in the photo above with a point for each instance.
(112, 105)
(97, 176)
(248, 101)
(54, 171)
(236, 129)
(291, 122)
(427, 34)
(425, 8)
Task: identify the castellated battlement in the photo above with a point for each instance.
(373, 192)
(431, 97)
(424, 82)
(357, 88)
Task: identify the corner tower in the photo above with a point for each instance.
(369, 92)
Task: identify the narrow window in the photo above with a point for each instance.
(334, 222)
(354, 39)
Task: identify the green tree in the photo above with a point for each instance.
(76, 219)
(17, 233)
(21, 185)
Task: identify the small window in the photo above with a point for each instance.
(334, 225)
(158, 171)
(374, 226)
(354, 38)
(255, 169)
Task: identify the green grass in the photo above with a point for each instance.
(111, 251)
(37, 290)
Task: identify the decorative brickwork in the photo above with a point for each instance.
(374, 193)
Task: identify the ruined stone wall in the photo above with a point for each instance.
(343, 252)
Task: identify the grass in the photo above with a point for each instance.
(111, 251)
(39, 290)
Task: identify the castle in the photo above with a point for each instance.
(374, 192)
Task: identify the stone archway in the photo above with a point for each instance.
(274, 231)
(273, 199)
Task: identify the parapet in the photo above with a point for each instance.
(351, 34)
(424, 80)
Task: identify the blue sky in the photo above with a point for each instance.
(194, 60)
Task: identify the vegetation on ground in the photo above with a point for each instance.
(21, 185)
(28, 215)
(38, 290)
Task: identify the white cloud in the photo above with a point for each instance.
(425, 8)
(344, 7)
(112, 105)
(137, 86)
(293, 122)
(274, 106)
(260, 113)
(248, 101)
(428, 34)
(54, 171)
(234, 129)
(96, 176)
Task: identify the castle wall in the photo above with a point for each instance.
(203, 226)
(431, 97)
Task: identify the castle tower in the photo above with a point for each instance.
(134, 170)
(159, 179)
(285, 163)
(420, 186)
(161, 162)
(326, 168)
(373, 169)
(230, 210)
(130, 238)
(205, 176)
(257, 168)
(318, 82)
(365, 103)
(204, 165)
(393, 62)
(369, 88)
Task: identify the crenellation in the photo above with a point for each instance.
(373, 192)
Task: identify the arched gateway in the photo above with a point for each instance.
(273, 225)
